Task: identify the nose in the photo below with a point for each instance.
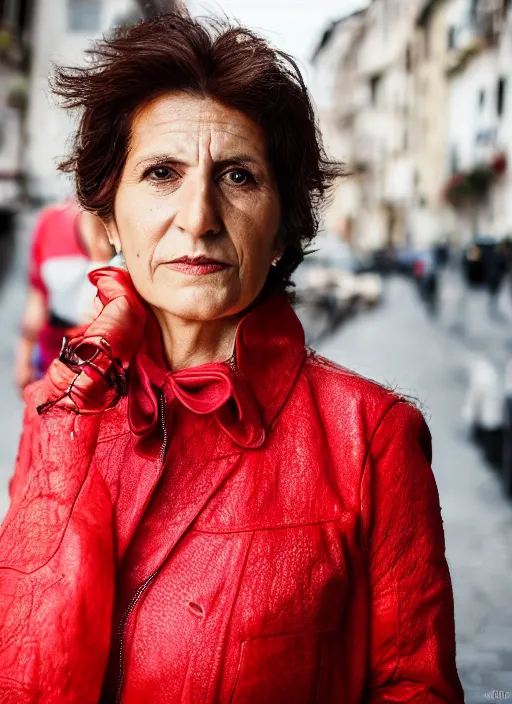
(197, 213)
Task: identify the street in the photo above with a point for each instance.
(399, 345)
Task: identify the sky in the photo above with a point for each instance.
(295, 26)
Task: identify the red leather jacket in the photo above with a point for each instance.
(260, 532)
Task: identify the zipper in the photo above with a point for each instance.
(131, 606)
(163, 424)
(142, 588)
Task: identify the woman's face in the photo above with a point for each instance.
(197, 210)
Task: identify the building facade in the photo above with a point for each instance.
(418, 108)
(479, 137)
(371, 107)
(340, 97)
(15, 29)
(433, 43)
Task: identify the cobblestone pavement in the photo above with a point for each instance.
(400, 346)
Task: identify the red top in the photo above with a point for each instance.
(265, 531)
(57, 268)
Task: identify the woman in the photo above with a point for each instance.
(203, 510)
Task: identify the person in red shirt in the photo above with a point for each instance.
(67, 243)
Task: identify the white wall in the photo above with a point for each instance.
(467, 118)
(501, 203)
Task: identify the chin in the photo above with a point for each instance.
(203, 303)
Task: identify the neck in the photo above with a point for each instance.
(190, 343)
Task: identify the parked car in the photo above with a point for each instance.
(336, 271)
(332, 283)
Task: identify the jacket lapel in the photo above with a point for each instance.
(189, 481)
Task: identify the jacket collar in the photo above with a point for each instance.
(245, 395)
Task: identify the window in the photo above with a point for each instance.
(408, 59)
(473, 6)
(500, 96)
(427, 41)
(84, 15)
(454, 160)
(374, 88)
(451, 37)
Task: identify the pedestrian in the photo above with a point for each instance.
(203, 510)
(495, 270)
(67, 244)
(426, 273)
(483, 409)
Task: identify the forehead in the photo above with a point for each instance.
(182, 123)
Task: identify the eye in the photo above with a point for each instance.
(160, 173)
(239, 177)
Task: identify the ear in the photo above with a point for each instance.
(113, 234)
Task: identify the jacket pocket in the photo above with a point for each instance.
(279, 669)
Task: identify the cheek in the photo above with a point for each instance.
(257, 236)
(139, 225)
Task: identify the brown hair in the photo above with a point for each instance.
(210, 57)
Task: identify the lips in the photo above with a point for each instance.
(197, 266)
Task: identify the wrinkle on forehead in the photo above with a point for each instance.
(191, 124)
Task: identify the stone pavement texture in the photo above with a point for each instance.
(400, 346)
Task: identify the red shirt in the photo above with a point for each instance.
(58, 269)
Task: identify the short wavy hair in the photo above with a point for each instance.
(205, 57)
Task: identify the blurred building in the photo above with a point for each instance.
(15, 26)
(479, 116)
(371, 104)
(432, 40)
(414, 96)
(340, 98)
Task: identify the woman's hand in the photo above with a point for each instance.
(123, 315)
(90, 373)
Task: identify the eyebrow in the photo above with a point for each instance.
(162, 158)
